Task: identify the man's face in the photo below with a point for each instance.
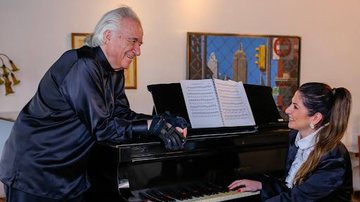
(123, 46)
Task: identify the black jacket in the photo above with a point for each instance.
(79, 101)
(331, 180)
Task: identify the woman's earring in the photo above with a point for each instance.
(311, 126)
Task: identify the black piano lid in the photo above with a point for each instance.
(263, 105)
(169, 97)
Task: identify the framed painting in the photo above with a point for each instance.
(130, 75)
(77, 41)
(269, 60)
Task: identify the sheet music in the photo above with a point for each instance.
(201, 103)
(234, 104)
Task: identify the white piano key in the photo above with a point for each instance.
(225, 196)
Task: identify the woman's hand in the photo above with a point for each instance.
(245, 185)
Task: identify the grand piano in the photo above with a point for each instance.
(211, 160)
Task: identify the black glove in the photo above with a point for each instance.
(172, 139)
(175, 121)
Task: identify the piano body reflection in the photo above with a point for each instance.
(211, 160)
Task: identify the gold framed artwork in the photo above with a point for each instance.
(269, 60)
(130, 75)
(77, 41)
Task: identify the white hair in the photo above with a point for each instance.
(110, 21)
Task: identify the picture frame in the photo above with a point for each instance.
(130, 75)
(77, 41)
(271, 60)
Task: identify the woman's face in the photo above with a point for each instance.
(298, 115)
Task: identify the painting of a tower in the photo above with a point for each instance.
(240, 65)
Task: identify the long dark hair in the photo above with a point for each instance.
(335, 105)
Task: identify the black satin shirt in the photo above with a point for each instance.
(331, 181)
(79, 101)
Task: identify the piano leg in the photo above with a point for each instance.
(102, 172)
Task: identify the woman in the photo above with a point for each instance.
(318, 164)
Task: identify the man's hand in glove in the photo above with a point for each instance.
(173, 137)
(176, 121)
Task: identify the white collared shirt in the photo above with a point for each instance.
(306, 145)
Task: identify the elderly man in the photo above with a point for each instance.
(80, 101)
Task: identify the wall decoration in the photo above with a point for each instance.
(77, 40)
(130, 75)
(254, 59)
(7, 75)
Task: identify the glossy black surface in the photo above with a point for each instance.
(218, 159)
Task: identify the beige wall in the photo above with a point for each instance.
(34, 34)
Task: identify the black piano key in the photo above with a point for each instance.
(146, 197)
(178, 194)
(167, 196)
(172, 194)
(192, 192)
(184, 194)
(209, 188)
(150, 193)
(156, 195)
(160, 195)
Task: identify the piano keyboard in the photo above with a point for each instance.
(201, 192)
(222, 196)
